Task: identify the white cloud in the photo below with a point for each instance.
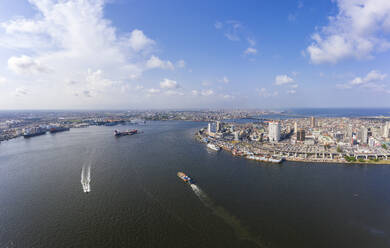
(218, 25)
(225, 80)
(227, 96)
(206, 83)
(283, 79)
(208, 92)
(155, 62)
(138, 40)
(181, 64)
(25, 64)
(3, 80)
(153, 91)
(372, 76)
(139, 87)
(292, 17)
(174, 93)
(294, 86)
(371, 81)
(20, 91)
(87, 93)
(358, 30)
(263, 92)
(251, 42)
(71, 41)
(291, 92)
(343, 86)
(250, 50)
(195, 92)
(233, 32)
(169, 84)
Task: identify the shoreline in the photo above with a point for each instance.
(305, 160)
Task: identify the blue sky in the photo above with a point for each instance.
(117, 54)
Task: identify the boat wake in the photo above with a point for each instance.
(229, 219)
(86, 178)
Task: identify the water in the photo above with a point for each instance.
(136, 199)
(340, 112)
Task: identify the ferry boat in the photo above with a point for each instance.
(213, 147)
(265, 159)
(185, 178)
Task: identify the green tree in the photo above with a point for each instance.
(384, 146)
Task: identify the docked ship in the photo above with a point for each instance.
(118, 133)
(185, 178)
(36, 131)
(265, 159)
(58, 129)
(213, 147)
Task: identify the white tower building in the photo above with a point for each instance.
(218, 126)
(386, 130)
(209, 129)
(236, 138)
(274, 131)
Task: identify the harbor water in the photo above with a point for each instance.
(130, 196)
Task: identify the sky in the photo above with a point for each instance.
(174, 54)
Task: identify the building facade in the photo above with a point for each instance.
(274, 131)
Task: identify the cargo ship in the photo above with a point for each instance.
(58, 129)
(185, 178)
(118, 133)
(213, 147)
(34, 132)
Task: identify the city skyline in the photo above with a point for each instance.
(84, 54)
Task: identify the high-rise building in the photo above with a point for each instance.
(363, 135)
(348, 132)
(218, 127)
(312, 122)
(386, 129)
(209, 129)
(371, 142)
(295, 127)
(274, 131)
(236, 137)
(301, 135)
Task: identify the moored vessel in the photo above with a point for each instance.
(34, 132)
(213, 147)
(58, 129)
(265, 159)
(118, 133)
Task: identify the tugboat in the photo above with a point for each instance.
(185, 178)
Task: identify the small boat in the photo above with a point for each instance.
(213, 147)
(185, 178)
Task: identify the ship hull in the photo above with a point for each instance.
(130, 132)
(33, 134)
(57, 130)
